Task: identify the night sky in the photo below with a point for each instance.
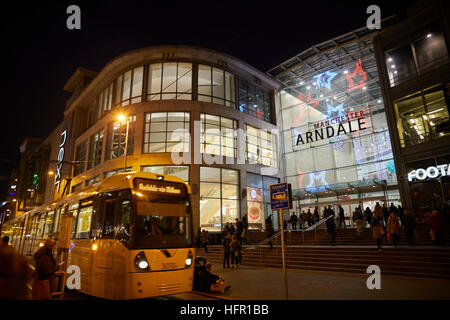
(39, 53)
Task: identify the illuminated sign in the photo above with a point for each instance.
(359, 84)
(60, 160)
(338, 109)
(325, 129)
(324, 79)
(430, 172)
(161, 189)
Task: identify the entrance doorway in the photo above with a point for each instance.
(349, 205)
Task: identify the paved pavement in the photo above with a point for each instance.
(248, 283)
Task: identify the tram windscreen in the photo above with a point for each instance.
(161, 214)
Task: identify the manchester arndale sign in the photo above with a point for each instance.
(430, 172)
(349, 123)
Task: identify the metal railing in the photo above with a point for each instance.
(276, 238)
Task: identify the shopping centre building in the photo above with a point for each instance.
(337, 147)
(336, 121)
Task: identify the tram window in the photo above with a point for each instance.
(84, 222)
(123, 234)
(73, 211)
(56, 222)
(41, 226)
(109, 228)
(48, 225)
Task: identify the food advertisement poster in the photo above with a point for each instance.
(255, 208)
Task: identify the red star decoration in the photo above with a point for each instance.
(362, 82)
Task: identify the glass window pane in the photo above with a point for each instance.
(158, 116)
(126, 85)
(184, 78)
(204, 80)
(210, 214)
(138, 74)
(209, 174)
(230, 176)
(218, 83)
(169, 83)
(209, 190)
(230, 211)
(230, 191)
(157, 147)
(154, 78)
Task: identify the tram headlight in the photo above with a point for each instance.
(140, 262)
(189, 259)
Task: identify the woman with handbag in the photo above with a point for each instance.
(45, 271)
(393, 227)
(377, 230)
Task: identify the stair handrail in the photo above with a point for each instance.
(318, 223)
(314, 226)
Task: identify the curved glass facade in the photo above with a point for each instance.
(336, 139)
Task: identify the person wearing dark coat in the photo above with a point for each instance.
(409, 225)
(293, 221)
(385, 214)
(341, 217)
(331, 229)
(245, 223)
(45, 270)
(368, 213)
(226, 250)
(239, 230)
(435, 221)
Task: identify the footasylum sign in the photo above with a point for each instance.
(429, 173)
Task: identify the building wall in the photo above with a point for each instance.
(414, 67)
(216, 188)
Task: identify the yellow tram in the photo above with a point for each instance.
(130, 235)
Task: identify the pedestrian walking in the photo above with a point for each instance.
(303, 219)
(436, 224)
(45, 271)
(378, 212)
(377, 230)
(15, 274)
(393, 228)
(239, 230)
(245, 223)
(385, 211)
(409, 226)
(226, 250)
(293, 220)
(357, 219)
(309, 217)
(368, 213)
(316, 215)
(205, 236)
(341, 217)
(331, 229)
(235, 252)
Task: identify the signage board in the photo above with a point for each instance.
(281, 196)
